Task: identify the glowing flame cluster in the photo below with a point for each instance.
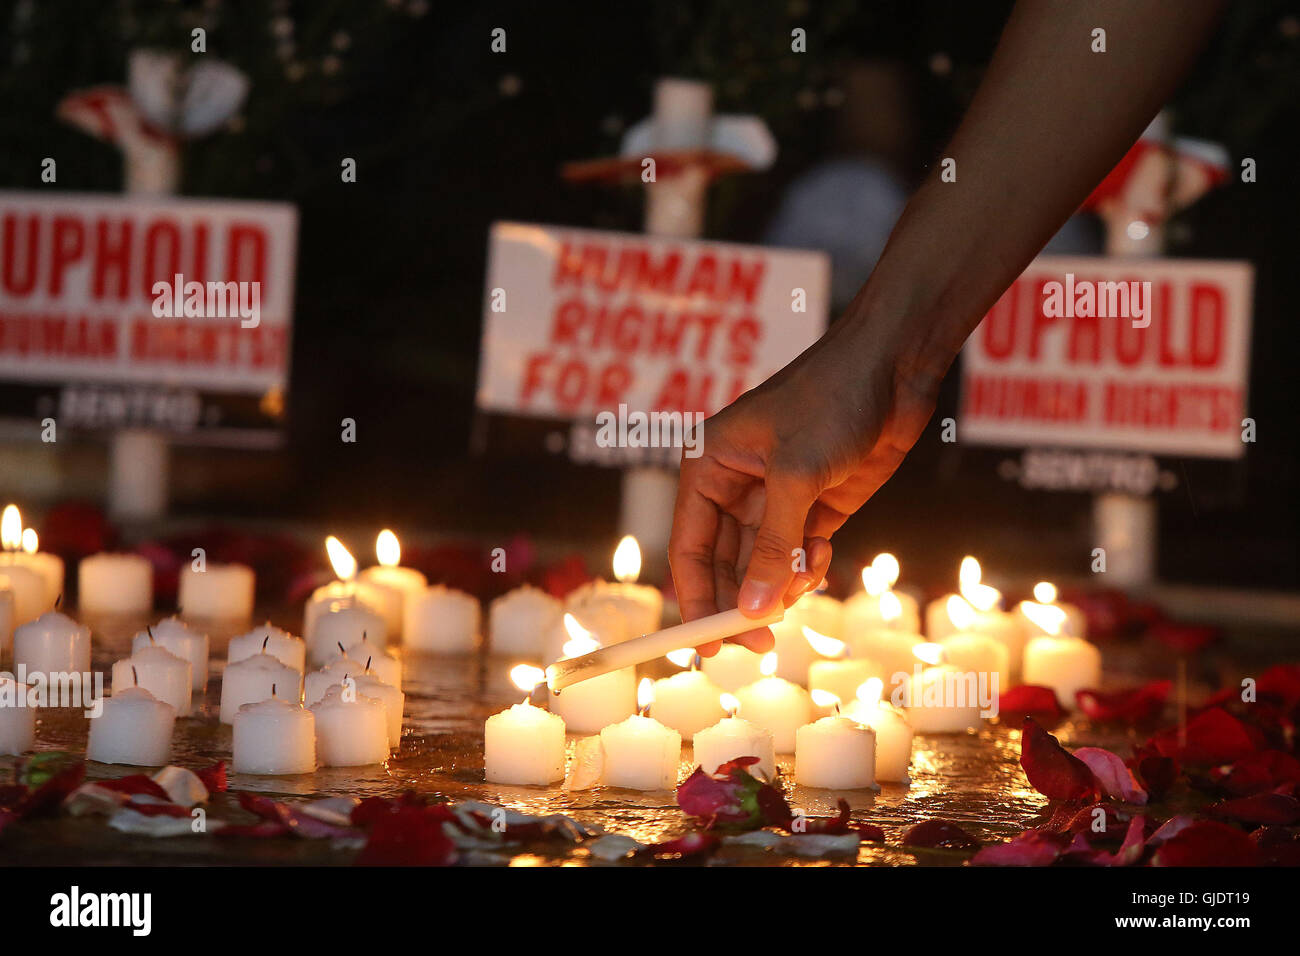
(581, 641)
(526, 677)
(881, 574)
(1049, 618)
(13, 536)
(960, 612)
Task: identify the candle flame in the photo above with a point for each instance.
(928, 652)
(627, 560)
(891, 608)
(645, 694)
(1045, 592)
(388, 549)
(887, 566)
(580, 639)
(345, 566)
(984, 597)
(869, 691)
(824, 698)
(31, 543)
(874, 581)
(969, 572)
(767, 666)
(11, 528)
(730, 704)
(960, 612)
(824, 645)
(1048, 617)
(682, 657)
(526, 677)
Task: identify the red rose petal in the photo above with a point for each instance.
(1157, 775)
(409, 836)
(1052, 770)
(1031, 848)
(1134, 706)
(690, 845)
(1110, 771)
(1212, 737)
(214, 777)
(939, 833)
(1027, 700)
(1257, 772)
(1276, 808)
(1207, 843)
(134, 784)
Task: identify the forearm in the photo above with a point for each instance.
(1051, 118)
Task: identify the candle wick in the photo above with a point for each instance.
(363, 635)
(342, 650)
(149, 631)
(368, 660)
(272, 689)
(266, 640)
(58, 600)
(135, 677)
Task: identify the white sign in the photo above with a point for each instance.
(578, 322)
(1148, 355)
(78, 302)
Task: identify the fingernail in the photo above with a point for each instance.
(802, 582)
(755, 595)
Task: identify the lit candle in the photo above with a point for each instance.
(351, 728)
(1064, 663)
(182, 640)
(17, 717)
(21, 548)
(520, 620)
(834, 753)
(604, 622)
(688, 701)
(940, 699)
(972, 650)
(443, 620)
(1045, 593)
(889, 648)
(777, 705)
(134, 727)
(733, 737)
(868, 611)
(893, 732)
(732, 667)
(219, 591)
(344, 621)
(346, 587)
(523, 744)
(836, 672)
(405, 583)
(822, 613)
(640, 753)
(254, 678)
(160, 672)
(276, 641)
(640, 606)
(588, 706)
(52, 644)
(115, 584)
(274, 736)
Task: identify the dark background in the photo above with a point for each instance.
(450, 137)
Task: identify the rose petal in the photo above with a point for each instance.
(408, 836)
(691, 845)
(1207, 843)
(1257, 772)
(1277, 808)
(1052, 770)
(939, 833)
(1212, 737)
(1133, 706)
(135, 783)
(1025, 700)
(1115, 778)
(1157, 774)
(214, 777)
(1031, 848)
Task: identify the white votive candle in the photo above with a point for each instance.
(158, 671)
(383, 664)
(17, 717)
(893, 737)
(28, 592)
(640, 754)
(840, 677)
(777, 705)
(443, 620)
(351, 729)
(52, 644)
(182, 640)
(279, 643)
(223, 591)
(524, 745)
(115, 584)
(1065, 664)
(835, 753)
(640, 606)
(592, 704)
(942, 700)
(274, 736)
(519, 622)
(687, 702)
(393, 699)
(732, 667)
(6, 621)
(733, 737)
(327, 594)
(397, 586)
(316, 683)
(135, 727)
(978, 653)
(344, 622)
(256, 678)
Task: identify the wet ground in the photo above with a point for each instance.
(972, 779)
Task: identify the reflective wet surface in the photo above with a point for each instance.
(972, 779)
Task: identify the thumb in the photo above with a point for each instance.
(785, 511)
